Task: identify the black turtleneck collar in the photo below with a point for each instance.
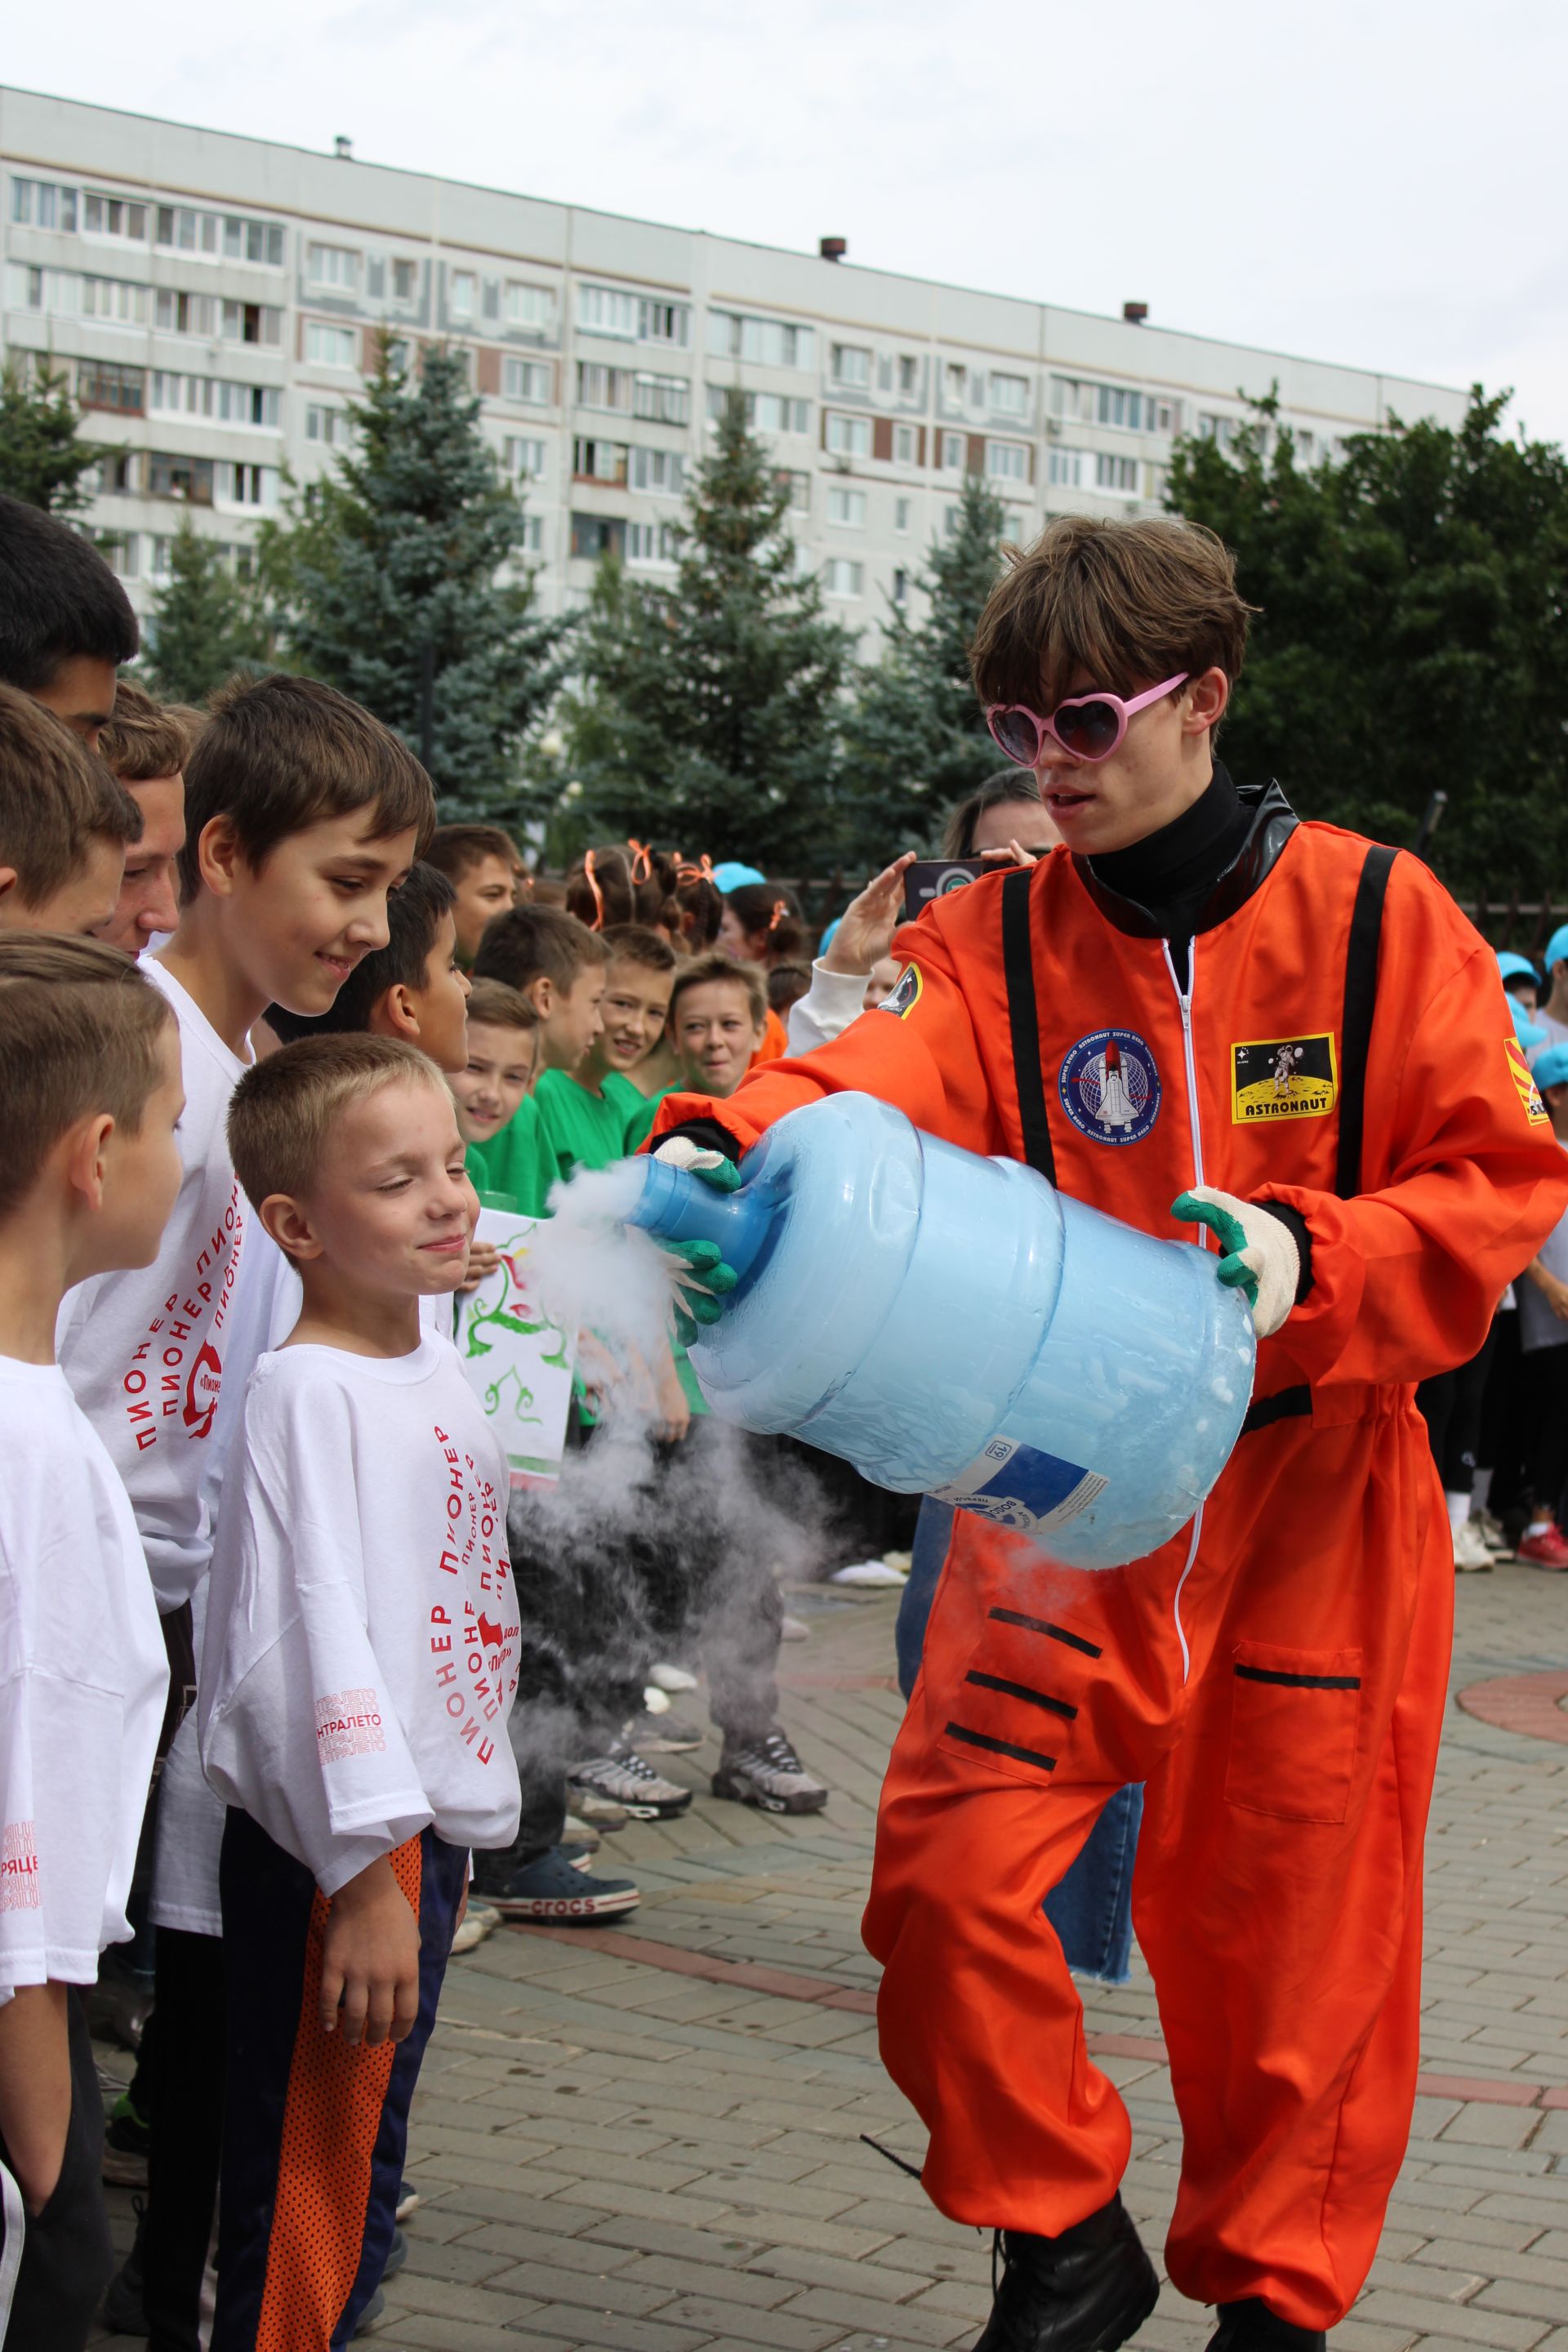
(1197, 870)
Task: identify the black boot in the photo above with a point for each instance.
(1087, 2290)
(1251, 2326)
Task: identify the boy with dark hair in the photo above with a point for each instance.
(413, 988)
(65, 825)
(65, 623)
(145, 745)
(558, 965)
(89, 1077)
(1116, 1015)
(481, 863)
(593, 1115)
(304, 813)
(718, 1014)
(359, 1665)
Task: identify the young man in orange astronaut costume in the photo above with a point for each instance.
(1297, 1039)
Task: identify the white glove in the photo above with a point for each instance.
(680, 1152)
(1260, 1259)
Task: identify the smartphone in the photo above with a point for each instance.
(937, 877)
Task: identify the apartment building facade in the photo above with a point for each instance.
(216, 302)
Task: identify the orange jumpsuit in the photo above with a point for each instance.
(1277, 1674)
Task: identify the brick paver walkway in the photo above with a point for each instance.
(651, 2140)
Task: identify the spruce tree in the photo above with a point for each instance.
(915, 738)
(41, 458)
(707, 711)
(203, 624)
(387, 576)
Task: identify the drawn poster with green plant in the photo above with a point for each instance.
(518, 1363)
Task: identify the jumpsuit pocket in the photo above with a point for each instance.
(1294, 1726)
(1014, 1708)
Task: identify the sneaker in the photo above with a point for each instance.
(791, 1629)
(767, 1772)
(1547, 1550)
(374, 2315)
(126, 2144)
(665, 1677)
(664, 1735)
(621, 1775)
(551, 1888)
(485, 1911)
(1469, 1549)
(586, 1834)
(407, 2202)
(1490, 1531)
(595, 1810)
(471, 1931)
(122, 2313)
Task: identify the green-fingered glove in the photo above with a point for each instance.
(705, 1279)
(1261, 1259)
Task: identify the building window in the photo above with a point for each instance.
(1161, 415)
(1223, 429)
(764, 412)
(114, 299)
(664, 323)
(529, 307)
(1118, 474)
(335, 265)
(122, 390)
(530, 540)
(846, 508)
(841, 576)
(226, 236)
(327, 346)
(404, 280)
(900, 586)
(953, 453)
(603, 387)
(43, 204)
(333, 427)
(850, 436)
(123, 554)
(602, 311)
(188, 478)
(600, 461)
(737, 335)
(594, 536)
(651, 542)
(204, 395)
(245, 486)
(1064, 468)
(184, 314)
(261, 322)
(852, 366)
(798, 487)
(528, 381)
(662, 399)
(523, 459)
(1306, 444)
(463, 293)
(114, 216)
(905, 445)
(902, 508)
(119, 473)
(908, 378)
(1008, 394)
(955, 383)
(660, 471)
(1116, 405)
(1007, 461)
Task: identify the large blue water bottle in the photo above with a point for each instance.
(954, 1326)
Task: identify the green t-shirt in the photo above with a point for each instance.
(590, 1130)
(516, 1161)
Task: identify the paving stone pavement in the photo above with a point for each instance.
(612, 2153)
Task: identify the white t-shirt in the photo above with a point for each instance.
(363, 1638)
(83, 1678)
(158, 1356)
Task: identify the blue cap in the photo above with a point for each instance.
(733, 877)
(1528, 1032)
(1556, 949)
(1516, 966)
(826, 941)
(1550, 1068)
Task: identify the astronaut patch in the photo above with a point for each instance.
(1520, 1071)
(1109, 1087)
(905, 993)
(1282, 1077)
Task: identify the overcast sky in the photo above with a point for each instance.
(1370, 181)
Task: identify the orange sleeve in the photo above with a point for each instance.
(1464, 1178)
(923, 1059)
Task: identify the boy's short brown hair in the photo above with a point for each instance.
(1112, 603)
(282, 1113)
(79, 1033)
(281, 753)
(144, 740)
(496, 1006)
(529, 943)
(637, 943)
(55, 797)
(456, 850)
(700, 971)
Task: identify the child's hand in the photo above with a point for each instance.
(483, 1259)
(35, 2089)
(370, 1959)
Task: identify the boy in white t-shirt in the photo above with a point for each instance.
(360, 1662)
(89, 1077)
(302, 811)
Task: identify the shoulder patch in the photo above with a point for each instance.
(905, 993)
(1523, 1077)
(1282, 1077)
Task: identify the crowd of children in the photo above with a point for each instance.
(350, 1698)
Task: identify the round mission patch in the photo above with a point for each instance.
(1109, 1087)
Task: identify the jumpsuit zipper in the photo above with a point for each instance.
(1184, 1005)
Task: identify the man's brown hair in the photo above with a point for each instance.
(638, 943)
(144, 740)
(1119, 604)
(56, 798)
(282, 1113)
(497, 1007)
(698, 971)
(456, 850)
(79, 1029)
(281, 753)
(528, 943)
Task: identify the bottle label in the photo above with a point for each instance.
(1017, 1486)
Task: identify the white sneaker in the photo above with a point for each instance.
(1470, 1551)
(1491, 1531)
(671, 1679)
(472, 1931)
(621, 1775)
(791, 1629)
